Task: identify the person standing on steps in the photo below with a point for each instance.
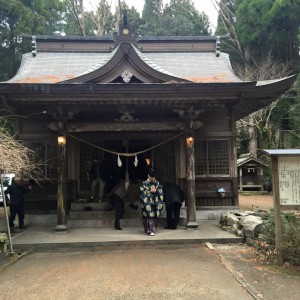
(97, 174)
(117, 198)
(151, 202)
(174, 197)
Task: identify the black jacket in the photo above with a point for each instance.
(173, 194)
(16, 193)
(101, 169)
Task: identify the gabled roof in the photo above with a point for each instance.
(246, 160)
(170, 70)
(125, 58)
(57, 66)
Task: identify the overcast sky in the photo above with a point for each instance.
(201, 5)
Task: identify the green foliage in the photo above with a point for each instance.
(152, 10)
(179, 18)
(17, 17)
(269, 26)
(292, 119)
(291, 235)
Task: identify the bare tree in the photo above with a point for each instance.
(101, 16)
(258, 124)
(15, 157)
(77, 10)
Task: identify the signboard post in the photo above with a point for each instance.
(286, 189)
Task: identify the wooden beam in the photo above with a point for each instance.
(117, 126)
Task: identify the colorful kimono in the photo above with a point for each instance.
(151, 203)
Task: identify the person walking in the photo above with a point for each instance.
(97, 174)
(151, 202)
(173, 196)
(117, 197)
(16, 201)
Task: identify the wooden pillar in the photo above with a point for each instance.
(181, 163)
(61, 179)
(277, 214)
(261, 178)
(241, 179)
(73, 149)
(190, 176)
(233, 157)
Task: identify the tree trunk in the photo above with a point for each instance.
(252, 136)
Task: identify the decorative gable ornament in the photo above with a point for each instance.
(126, 75)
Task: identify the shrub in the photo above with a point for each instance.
(291, 235)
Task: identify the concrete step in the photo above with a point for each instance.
(81, 206)
(99, 223)
(100, 214)
(109, 222)
(44, 237)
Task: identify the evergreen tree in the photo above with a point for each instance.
(17, 17)
(179, 18)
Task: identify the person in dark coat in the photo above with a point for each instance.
(98, 175)
(174, 197)
(16, 201)
(117, 197)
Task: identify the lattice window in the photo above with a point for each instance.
(212, 158)
(45, 157)
(200, 158)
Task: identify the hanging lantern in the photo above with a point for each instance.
(61, 140)
(189, 141)
(119, 162)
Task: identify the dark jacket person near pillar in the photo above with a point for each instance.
(174, 197)
(117, 197)
(16, 201)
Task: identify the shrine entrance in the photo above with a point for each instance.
(161, 158)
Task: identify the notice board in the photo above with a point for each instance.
(289, 180)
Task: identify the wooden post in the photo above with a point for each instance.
(191, 195)
(261, 178)
(61, 180)
(241, 179)
(233, 157)
(277, 215)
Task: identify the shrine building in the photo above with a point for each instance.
(171, 102)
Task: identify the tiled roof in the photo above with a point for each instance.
(197, 66)
(54, 67)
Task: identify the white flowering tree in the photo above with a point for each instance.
(15, 158)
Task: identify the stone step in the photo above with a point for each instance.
(81, 206)
(100, 223)
(100, 214)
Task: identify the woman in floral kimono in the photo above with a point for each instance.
(151, 202)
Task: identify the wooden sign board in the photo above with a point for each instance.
(289, 180)
(286, 189)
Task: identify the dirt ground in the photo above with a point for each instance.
(262, 280)
(229, 271)
(254, 202)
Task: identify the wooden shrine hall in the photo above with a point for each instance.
(175, 96)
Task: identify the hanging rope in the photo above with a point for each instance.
(123, 153)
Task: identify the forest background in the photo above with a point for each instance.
(261, 36)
